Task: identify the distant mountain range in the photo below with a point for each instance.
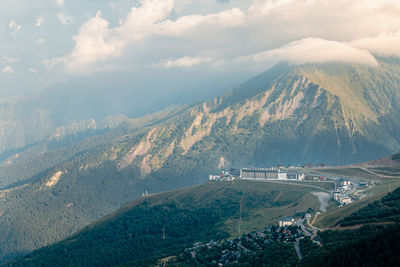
(333, 113)
(30, 119)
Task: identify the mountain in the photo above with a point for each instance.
(151, 228)
(391, 161)
(334, 113)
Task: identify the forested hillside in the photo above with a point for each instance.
(367, 246)
(385, 210)
(151, 228)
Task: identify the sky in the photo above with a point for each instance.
(45, 42)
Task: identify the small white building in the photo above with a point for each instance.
(336, 195)
(214, 177)
(345, 200)
(282, 175)
(287, 221)
(344, 182)
(221, 178)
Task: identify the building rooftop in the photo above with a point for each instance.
(286, 219)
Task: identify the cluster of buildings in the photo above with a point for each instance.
(223, 177)
(343, 199)
(343, 184)
(340, 195)
(226, 252)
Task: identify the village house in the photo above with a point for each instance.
(287, 221)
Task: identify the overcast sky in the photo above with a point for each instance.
(47, 41)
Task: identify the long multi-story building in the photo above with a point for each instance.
(269, 174)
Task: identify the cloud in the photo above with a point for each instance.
(54, 62)
(227, 18)
(141, 20)
(32, 70)
(64, 18)
(8, 69)
(39, 21)
(60, 3)
(40, 41)
(386, 44)
(316, 50)
(262, 7)
(96, 41)
(185, 62)
(14, 27)
(173, 32)
(7, 59)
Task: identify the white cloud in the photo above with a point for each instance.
(54, 62)
(40, 41)
(386, 44)
(228, 18)
(141, 20)
(263, 7)
(14, 27)
(32, 70)
(64, 18)
(185, 62)
(165, 31)
(60, 3)
(8, 69)
(39, 21)
(95, 41)
(7, 59)
(316, 50)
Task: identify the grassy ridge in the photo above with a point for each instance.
(331, 217)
